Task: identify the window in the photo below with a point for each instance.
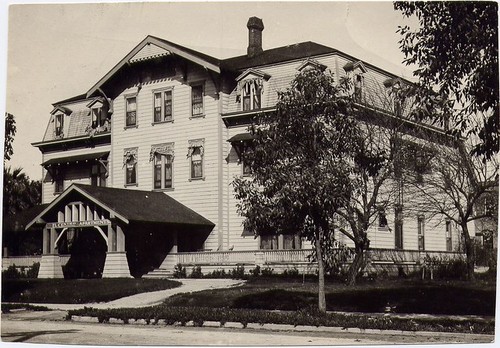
(130, 164)
(163, 106)
(358, 87)
(269, 242)
(59, 125)
(131, 109)
(421, 233)
(98, 118)
(251, 94)
(382, 219)
(291, 241)
(448, 235)
(162, 177)
(196, 153)
(58, 177)
(197, 100)
(98, 175)
(398, 226)
(196, 163)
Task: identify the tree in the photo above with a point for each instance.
(301, 164)
(19, 192)
(456, 191)
(455, 47)
(10, 132)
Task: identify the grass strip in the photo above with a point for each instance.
(309, 317)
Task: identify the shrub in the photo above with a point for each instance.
(218, 273)
(238, 272)
(179, 271)
(13, 272)
(291, 272)
(196, 272)
(266, 272)
(453, 269)
(256, 271)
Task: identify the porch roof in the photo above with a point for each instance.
(134, 205)
(78, 158)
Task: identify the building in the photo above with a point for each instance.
(137, 170)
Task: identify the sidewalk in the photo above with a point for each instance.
(147, 299)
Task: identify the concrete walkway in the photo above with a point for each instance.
(151, 298)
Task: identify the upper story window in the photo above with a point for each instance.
(197, 100)
(356, 71)
(131, 111)
(250, 89)
(163, 106)
(251, 94)
(98, 118)
(130, 164)
(382, 219)
(195, 154)
(359, 82)
(58, 178)
(59, 125)
(162, 157)
(98, 175)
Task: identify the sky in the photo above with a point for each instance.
(56, 51)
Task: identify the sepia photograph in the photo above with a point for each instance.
(249, 173)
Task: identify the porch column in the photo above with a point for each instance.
(116, 264)
(50, 264)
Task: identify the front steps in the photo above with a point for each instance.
(166, 269)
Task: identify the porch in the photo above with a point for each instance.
(390, 260)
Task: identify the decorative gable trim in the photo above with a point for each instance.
(311, 63)
(351, 66)
(173, 49)
(62, 109)
(149, 51)
(72, 188)
(100, 100)
(256, 73)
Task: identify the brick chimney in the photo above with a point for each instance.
(255, 27)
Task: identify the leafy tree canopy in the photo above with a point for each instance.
(10, 132)
(455, 48)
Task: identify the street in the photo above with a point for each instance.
(50, 328)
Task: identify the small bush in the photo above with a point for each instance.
(291, 272)
(179, 271)
(256, 271)
(453, 269)
(13, 272)
(196, 272)
(238, 272)
(217, 274)
(266, 272)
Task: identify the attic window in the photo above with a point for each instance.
(130, 164)
(59, 125)
(359, 82)
(251, 94)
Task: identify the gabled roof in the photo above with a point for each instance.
(61, 109)
(253, 72)
(204, 60)
(277, 55)
(350, 66)
(133, 205)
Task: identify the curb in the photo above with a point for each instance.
(287, 327)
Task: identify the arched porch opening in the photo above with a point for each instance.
(87, 248)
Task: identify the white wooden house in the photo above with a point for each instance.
(137, 170)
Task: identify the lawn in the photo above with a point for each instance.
(403, 296)
(78, 290)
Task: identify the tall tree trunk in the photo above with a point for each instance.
(357, 265)
(321, 273)
(469, 252)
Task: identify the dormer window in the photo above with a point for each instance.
(359, 83)
(98, 118)
(250, 89)
(356, 71)
(58, 125)
(252, 95)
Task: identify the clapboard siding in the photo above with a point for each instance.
(199, 195)
(75, 173)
